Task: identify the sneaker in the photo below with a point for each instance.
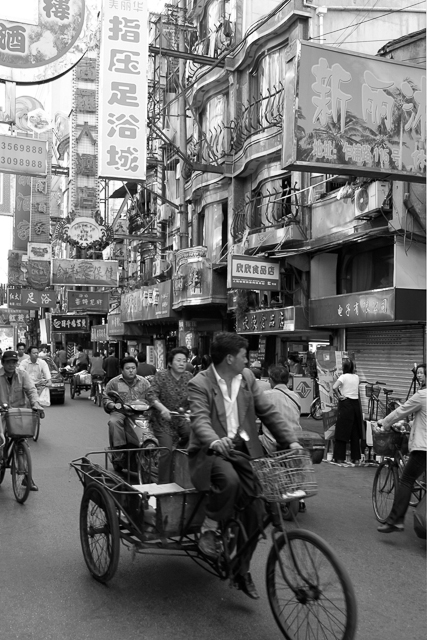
(294, 495)
(208, 544)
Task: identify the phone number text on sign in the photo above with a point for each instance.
(19, 155)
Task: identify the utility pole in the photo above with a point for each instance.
(183, 209)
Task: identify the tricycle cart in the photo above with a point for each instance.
(80, 382)
(308, 588)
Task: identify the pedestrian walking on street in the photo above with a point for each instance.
(416, 464)
(145, 369)
(349, 425)
(169, 392)
(111, 366)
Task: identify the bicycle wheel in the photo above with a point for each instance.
(418, 491)
(147, 462)
(316, 409)
(21, 471)
(313, 597)
(383, 490)
(99, 533)
(37, 431)
(2, 469)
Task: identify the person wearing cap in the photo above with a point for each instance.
(16, 387)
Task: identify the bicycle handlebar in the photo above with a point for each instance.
(371, 383)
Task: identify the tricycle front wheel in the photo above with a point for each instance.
(99, 533)
(309, 590)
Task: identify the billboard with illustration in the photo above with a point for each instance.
(352, 114)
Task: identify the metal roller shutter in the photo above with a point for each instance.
(387, 354)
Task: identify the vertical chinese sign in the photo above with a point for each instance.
(122, 103)
(84, 137)
(21, 227)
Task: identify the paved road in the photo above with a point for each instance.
(47, 593)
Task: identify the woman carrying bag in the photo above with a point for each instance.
(349, 425)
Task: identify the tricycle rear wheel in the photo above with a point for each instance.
(99, 533)
(72, 388)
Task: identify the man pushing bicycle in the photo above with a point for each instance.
(224, 402)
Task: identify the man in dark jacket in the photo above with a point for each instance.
(145, 369)
(111, 366)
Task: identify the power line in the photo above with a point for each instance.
(369, 20)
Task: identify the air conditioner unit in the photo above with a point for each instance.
(369, 199)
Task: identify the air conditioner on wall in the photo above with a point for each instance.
(369, 199)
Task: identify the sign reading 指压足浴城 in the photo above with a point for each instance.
(30, 299)
(122, 101)
(85, 272)
(249, 272)
(48, 41)
(70, 324)
(357, 114)
(93, 301)
(22, 156)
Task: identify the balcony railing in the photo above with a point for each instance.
(215, 43)
(258, 115)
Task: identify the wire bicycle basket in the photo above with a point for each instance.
(284, 473)
(372, 390)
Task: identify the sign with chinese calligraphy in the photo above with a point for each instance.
(353, 308)
(40, 251)
(122, 102)
(53, 37)
(70, 324)
(38, 274)
(148, 303)
(28, 157)
(85, 231)
(249, 272)
(30, 299)
(21, 228)
(115, 326)
(356, 115)
(99, 333)
(14, 317)
(85, 272)
(267, 321)
(89, 300)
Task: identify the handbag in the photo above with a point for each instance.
(44, 397)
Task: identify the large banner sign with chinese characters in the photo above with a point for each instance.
(89, 273)
(30, 299)
(356, 115)
(89, 300)
(42, 39)
(353, 308)
(122, 101)
(70, 324)
(148, 303)
(249, 272)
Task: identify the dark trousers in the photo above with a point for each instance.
(414, 468)
(166, 455)
(226, 492)
(340, 447)
(95, 378)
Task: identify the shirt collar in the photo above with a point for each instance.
(218, 377)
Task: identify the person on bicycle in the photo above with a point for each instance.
(16, 387)
(96, 371)
(39, 372)
(416, 464)
(224, 402)
(130, 388)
